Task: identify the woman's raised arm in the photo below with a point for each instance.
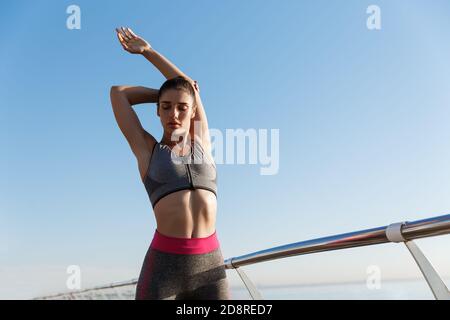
(137, 45)
(167, 68)
(138, 94)
(122, 100)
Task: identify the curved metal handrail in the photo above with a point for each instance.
(397, 232)
(411, 230)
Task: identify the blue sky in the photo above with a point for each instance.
(362, 116)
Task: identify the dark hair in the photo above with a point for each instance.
(177, 83)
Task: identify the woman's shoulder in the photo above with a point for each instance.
(145, 159)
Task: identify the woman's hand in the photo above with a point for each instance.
(131, 42)
(196, 87)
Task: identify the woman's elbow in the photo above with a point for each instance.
(117, 94)
(116, 89)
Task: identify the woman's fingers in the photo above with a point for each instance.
(129, 33)
(121, 39)
(121, 35)
(126, 38)
(132, 33)
(124, 33)
(122, 42)
(196, 87)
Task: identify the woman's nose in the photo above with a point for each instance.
(174, 113)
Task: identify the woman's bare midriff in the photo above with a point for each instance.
(187, 214)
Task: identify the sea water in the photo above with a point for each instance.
(387, 290)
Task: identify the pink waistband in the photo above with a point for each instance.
(184, 245)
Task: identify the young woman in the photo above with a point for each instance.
(184, 260)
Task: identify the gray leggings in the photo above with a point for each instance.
(170, 276)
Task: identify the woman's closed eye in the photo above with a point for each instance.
(182, 107)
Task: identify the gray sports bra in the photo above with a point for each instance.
(168, 172)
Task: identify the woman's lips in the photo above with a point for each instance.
(172, 124)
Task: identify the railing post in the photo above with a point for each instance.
(433, 279)
(254, 293)
(436, 284)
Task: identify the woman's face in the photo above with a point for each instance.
(176, 106)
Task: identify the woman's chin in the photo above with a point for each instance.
(177, 130)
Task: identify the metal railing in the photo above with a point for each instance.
(404, 232)
(398, 232)
(100, 292)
